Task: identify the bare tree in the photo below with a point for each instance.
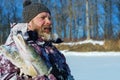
(87, 21)
(108, 32)
(70, 13)
(93, 19)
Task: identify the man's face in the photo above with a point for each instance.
(42, 24)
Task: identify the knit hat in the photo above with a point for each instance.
(33, 9)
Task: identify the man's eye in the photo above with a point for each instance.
(43, 17)
(49, 18)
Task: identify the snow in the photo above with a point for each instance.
(71, 53)
(93, 65)
(85, 41)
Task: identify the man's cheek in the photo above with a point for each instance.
(41, 22)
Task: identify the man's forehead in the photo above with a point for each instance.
(44, 14)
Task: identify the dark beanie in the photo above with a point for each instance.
(30, 10)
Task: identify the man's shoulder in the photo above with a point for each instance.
(19, 26)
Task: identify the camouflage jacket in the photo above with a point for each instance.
(49, 53)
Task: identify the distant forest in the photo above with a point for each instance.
(72, 19)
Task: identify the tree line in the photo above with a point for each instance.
(72, 19)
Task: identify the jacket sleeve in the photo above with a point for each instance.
(7, 69)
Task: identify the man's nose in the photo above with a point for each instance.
(48, 21)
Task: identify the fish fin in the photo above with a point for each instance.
(28, 70)
(32, 71)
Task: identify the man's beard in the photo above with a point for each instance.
(44, 35)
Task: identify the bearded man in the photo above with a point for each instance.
(36, 32)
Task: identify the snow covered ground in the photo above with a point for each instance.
(94, 65)
(71, 53)
(85, 41)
